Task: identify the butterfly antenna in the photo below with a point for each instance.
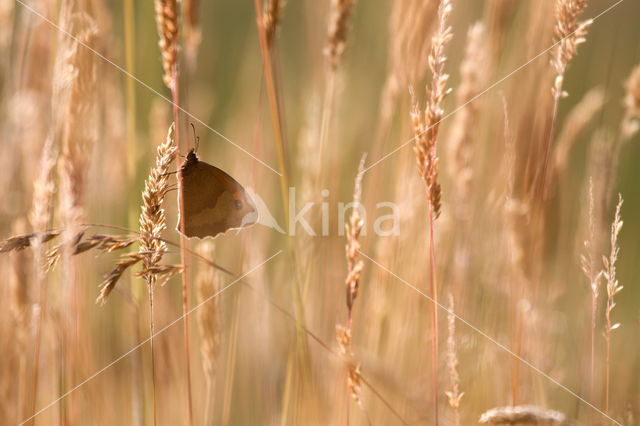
(196, 138)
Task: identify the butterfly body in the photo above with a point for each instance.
(212, 201)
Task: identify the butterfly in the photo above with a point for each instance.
(212, 201)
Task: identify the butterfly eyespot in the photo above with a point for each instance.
(238, 204)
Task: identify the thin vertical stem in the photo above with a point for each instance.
(207, 404)
(42, 304)
(276, 118)
(175, 93)
(327, 112)
(150, 284)
(594, 311)
(434, 312)
(607, 369)
(132, 174)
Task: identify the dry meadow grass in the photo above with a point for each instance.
(503, 291)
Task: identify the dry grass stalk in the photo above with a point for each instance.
(410, 22)
(271, 18)
(152, 223)
(338, 31)
(426, 127)
(516, 212)
(354, 379)
(575, 124)
(353, 229)
(352, 282)
(461, 150)
(454, 395)
(43, 188)
(593, 274)
(569, 33)
(21, 242)
(167, 24)
(523, 414)
(112, 278)
(168, 28)
(207, 285)
(101, 242)
(631, 120)
(161, 271)
(75, 83)
(472, 71)
(602, 169)
(40, 218)
(152, 217)
(613, 288)
(409, 28)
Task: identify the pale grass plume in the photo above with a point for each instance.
(628, 128)
(575, 124)
(74, 88)
(515, 209)
(409, 24)
(461, 149)
(192, 31)
(613, 287)
(523, 414)
(593, 273)
(152, 218)
(43, 197)
(631, 120)
(515, 212)
(340, 13)
(460, 146)
(75, 123)
(44, 187)
(570, 32)
(207, 285)
(167, 24)
(454, 395)
(602, 168)
(308, 140)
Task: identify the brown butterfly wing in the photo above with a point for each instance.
(213, 202)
